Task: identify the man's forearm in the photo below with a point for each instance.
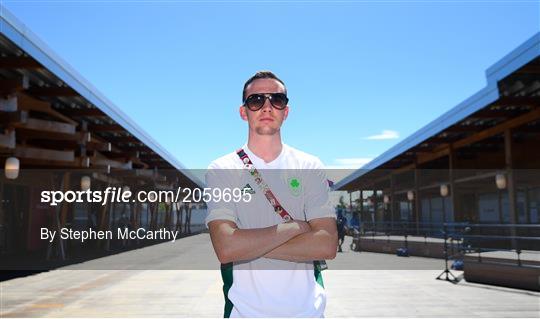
(313, 245)
(234, 244)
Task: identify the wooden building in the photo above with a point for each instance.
(491, 139)
(57, 132)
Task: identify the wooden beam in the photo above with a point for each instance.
(7, 140)
(45, 163)
(76, 138)
(466, 128)
(529, 69)
(10, 86)
(498, 129)
(150, 156)
(44, 154)
(105, 178)
(19, 62)
(404, 168)
(139, 162)
(153, 159)
(491, 114)
(438, 140)
(99, 160)
(428, 157)
(104, 162)
(126, 139)
(518, 101)
(89, 112)
(125, 154)
(106, 128)
(46, 126)
(25, 102)
(98, 146)
(148, 174)
(10, 118)
(528, 129)
(52, 91)
(105, 145)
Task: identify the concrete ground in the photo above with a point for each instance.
(181, 280)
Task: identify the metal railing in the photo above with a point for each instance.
(464, 237)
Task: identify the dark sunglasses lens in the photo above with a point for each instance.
(279, 100)
(255, 101)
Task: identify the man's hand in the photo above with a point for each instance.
(234, 244)
(319, 243)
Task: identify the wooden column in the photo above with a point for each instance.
(137, 213)
(350, 202)
(510, 182)
(179, 210)
(357, 214)
(57, 247)
(361, 203)
(451, 166)
(527, 206)
(431, 212)
(65, 205)
(375, 202)
(416, 199)
(188, 219)
(392, 202)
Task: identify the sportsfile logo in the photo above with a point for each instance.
(110, 194)
(120, 195)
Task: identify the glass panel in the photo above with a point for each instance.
(522, 217)
(404, 210)
(436, 210)
(534, 205)
(449, 209)
(488, 208)
(425, 211)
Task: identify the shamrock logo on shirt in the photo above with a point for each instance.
(294, 186)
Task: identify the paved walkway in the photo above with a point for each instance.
(159, 281)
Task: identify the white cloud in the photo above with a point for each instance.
(385, 135)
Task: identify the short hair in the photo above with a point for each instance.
(261, 75)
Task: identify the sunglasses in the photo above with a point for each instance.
(255, 102)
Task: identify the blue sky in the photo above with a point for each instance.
(361, 75)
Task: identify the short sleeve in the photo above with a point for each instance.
(219, 210)
(317, 202)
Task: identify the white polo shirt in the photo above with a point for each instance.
(268, 287)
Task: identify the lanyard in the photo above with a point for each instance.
(282, 212)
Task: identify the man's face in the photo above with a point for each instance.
(267, 120)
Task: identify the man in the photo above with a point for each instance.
(341, 229)
(268, 263)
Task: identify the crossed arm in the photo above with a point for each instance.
(293, 241)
